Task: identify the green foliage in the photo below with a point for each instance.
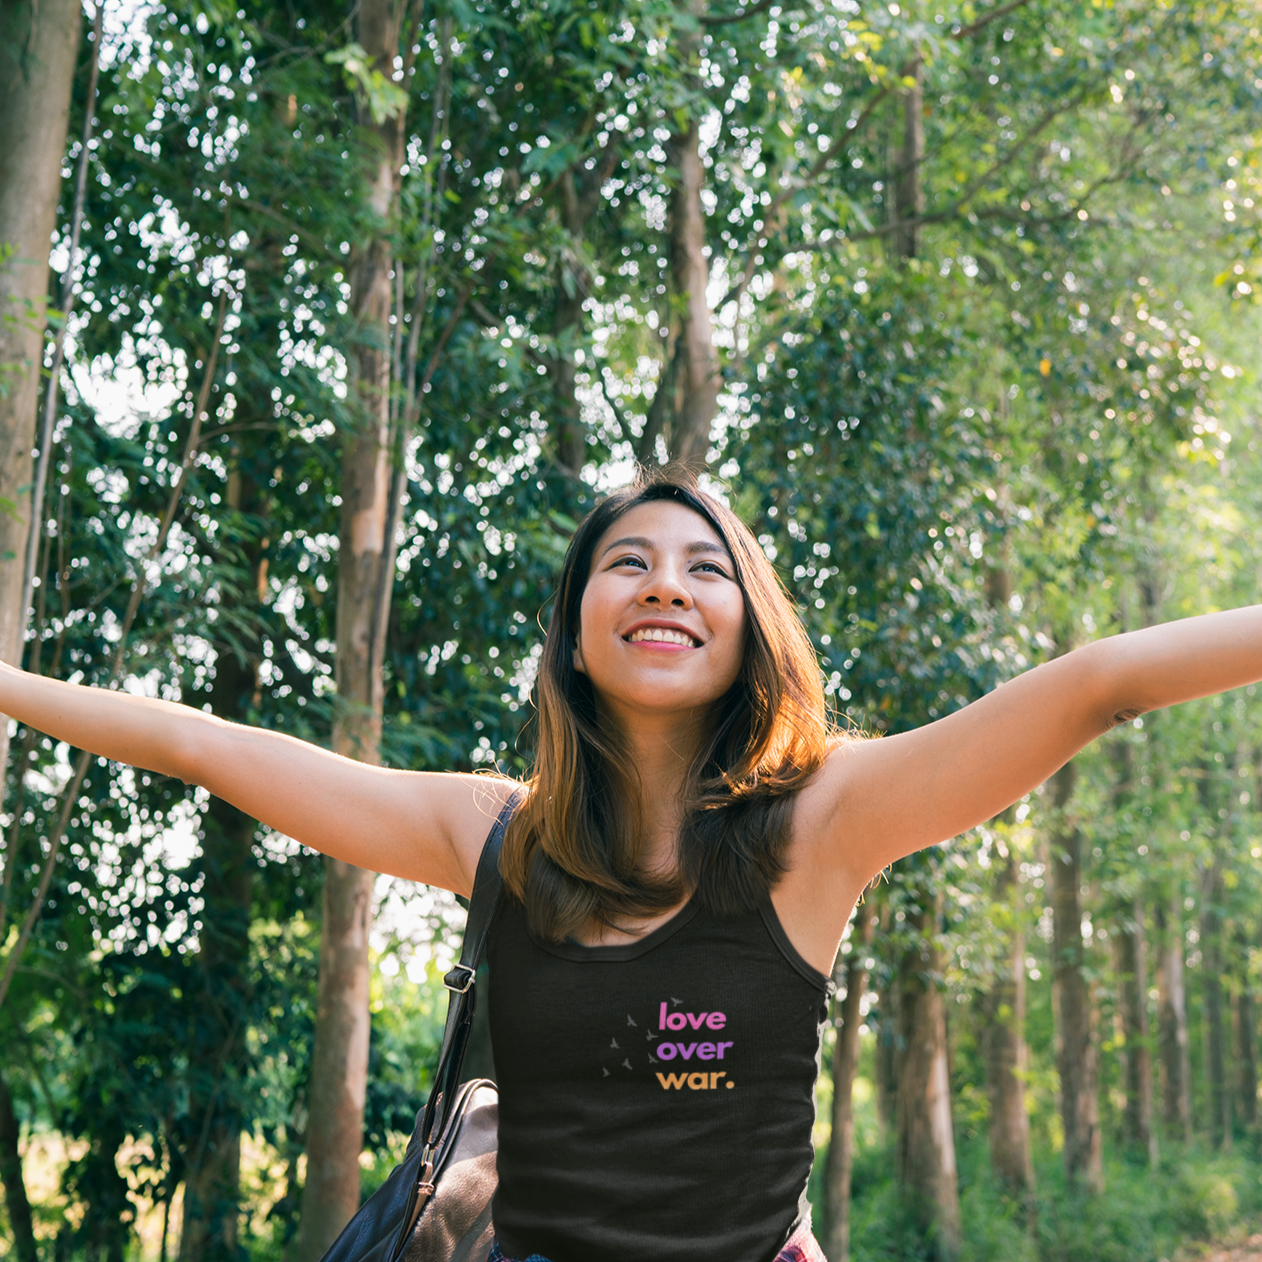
(1023, 437)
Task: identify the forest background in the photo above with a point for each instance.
(323, 324)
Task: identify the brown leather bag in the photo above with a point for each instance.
(455, 1222)
(436, 1204)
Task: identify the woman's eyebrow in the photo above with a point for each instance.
(634, 541)
(639, 541)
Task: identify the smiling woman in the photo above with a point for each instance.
(679, 708)
(691, 845)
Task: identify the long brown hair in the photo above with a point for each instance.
(573, 853)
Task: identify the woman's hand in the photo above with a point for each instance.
(418, 825)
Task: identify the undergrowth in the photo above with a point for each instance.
(1143, 1215)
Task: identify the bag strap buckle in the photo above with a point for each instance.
(460, 979)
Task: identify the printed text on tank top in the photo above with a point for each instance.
(636, 1077)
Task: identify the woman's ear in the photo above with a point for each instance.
(578, 657)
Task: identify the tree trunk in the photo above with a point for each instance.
(1212, 997)
(15, 1201)
(38, 44)
(1004, 1048)
(909, 197)
(883, 1021)
(1077, 1053)
(845, 1065)
(1246, 1061)
(926, 1142)
(340, 1059)
(570, 436)
(1139, 1134)
(217, 1046)
(108, 1215)
(578, 193)
(696, 379)
(1172, 1026)
(573, 282)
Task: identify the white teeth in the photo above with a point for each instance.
(663, 635)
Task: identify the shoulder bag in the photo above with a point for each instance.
(436, 1204)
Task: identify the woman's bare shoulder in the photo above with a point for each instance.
(470, 803)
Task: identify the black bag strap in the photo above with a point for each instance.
(462, 980)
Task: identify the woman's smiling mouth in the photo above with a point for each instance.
(663, 635)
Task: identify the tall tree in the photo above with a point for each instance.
(690, 380)
(339, 1070)
(1245, 1021)
(1004, 1046)
(926, 1141)
(15, 1199)
(1214, 1022)
(218, 1055)
(1131, 948)
(38, 45)
(840, 1159)
(1003, 1041)
(1172, 1024)
(1077, 1056)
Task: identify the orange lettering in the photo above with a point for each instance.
(672, 1080)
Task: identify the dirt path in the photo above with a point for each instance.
(1249, 1250)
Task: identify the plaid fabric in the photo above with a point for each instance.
(801, 1247)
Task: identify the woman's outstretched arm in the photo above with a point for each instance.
(886, 798)
(420, 826)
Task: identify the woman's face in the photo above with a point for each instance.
(662, 625)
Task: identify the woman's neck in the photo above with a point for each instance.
(662, 756)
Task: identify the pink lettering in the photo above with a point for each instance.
(662, 1024)
(695, 1019)
(716, 1020)
(676, 1021)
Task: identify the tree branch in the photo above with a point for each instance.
(398, 483)
(771, 223)
(726, 19)
(623, 428)
(70, 795)
(773, 210)
(589, 200)
(962, 32)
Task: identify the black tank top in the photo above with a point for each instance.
(656, 1099)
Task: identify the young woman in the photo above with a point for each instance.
(693, 840)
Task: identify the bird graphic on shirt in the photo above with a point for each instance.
(627, 1062)
(654, 1061)
(604, 1071)
(676, 1002)
(650, 1036)
(631, 1022)
(613, 1043)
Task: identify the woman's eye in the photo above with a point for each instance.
(712, 568)
(629, 561)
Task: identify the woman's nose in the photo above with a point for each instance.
(666, 587)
